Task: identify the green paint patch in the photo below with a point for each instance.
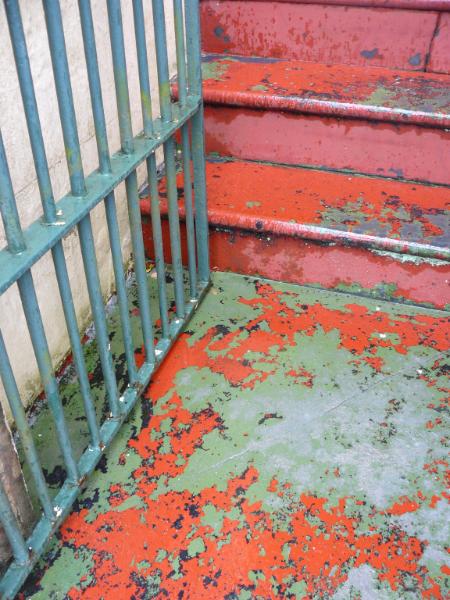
(214, 70)
(75, 571)
(252, 204)
(196, 547)
(259, 88)
(213, 518)
(382, 97)
(409, 258)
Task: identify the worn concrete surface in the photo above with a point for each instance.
(293, 445)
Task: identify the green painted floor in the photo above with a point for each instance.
(294, 444)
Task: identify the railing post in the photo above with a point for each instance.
(198, 142)
(186, 147)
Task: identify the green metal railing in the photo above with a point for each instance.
(26, 246)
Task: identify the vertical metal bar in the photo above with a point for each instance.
(121, 290)
(185, 144)
(62, 277)
(141, 50)
(159, 25)
(31, 111)
(158, 244)
(11, 528)
(174, 224)
(73, 155)
(90, 52)
(180, 50)
(48, 204)
(8, 208)
(58, 54)
(120, 75)
(131, 185)
(98, 312)
(146, 102)
(190, 226)
(134, 214)
(20, 420)
(42, 353)
(169, 152)
(198, 142)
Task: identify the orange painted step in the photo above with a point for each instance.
(341, 90)
(368, 120)
(329, 229)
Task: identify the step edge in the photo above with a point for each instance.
(297, 105)
(313, 232)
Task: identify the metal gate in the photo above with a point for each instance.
(26, 247)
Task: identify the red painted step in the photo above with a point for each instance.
(341, 90)
(357, 32)
(327, 229)
(370, 120)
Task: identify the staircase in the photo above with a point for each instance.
(327, 129)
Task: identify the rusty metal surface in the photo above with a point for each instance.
(341, 90)
(319, 33)
(293, 445)
(385, 149)
(440, 48)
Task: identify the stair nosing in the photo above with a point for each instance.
(219, 217)
(327, 108)
(252, 99)
(320, 234)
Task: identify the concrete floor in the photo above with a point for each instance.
(292, 445)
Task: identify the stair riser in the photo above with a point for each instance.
(375, 148)
(294, 260)
(400, 39)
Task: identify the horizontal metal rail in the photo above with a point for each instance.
(25, 247)
(40, 237)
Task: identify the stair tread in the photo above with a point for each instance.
(404, 4)
(374, 93)
(284, 200)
